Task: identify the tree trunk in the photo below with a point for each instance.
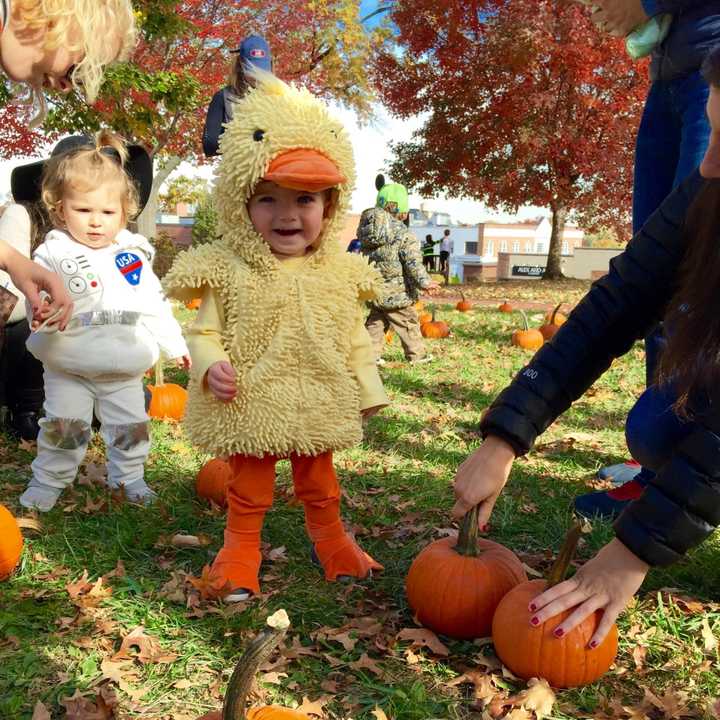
(553, 269)
(146, 221)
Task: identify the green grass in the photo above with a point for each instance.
(398, 495)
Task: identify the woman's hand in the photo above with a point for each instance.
(481, 478)
(618, 17)
(30, 278)
(221, 380)
(607, 582)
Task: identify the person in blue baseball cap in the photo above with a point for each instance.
(253, 52)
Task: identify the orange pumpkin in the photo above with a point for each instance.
(424, 317)
(529, 338)
(552, 323)
(193, 304)
(506, 307)
(167, 400)
(211, 482)
(11, 543)
(454, 586)
(242, 678)
(534, 651)
(434, 328)
(464, 305)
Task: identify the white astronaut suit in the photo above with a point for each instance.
(121, 322)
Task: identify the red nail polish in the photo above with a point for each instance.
(533, 607)
(534, 621)
(484, 528)
(559, 632)
(593, 644)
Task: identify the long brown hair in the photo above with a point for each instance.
(691, 361)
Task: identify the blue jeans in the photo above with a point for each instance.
(653, 430)
(672, 139)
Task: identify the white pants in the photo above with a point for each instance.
(66, 428)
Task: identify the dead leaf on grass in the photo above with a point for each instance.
(367, 663)
(84, 593)
(209, 585)
(538, 696)
(709, 640)
(29, 523)
(379, 713)
(314, 707)
(148, 647)
(40, 712)
(421, 637)
(673, 703)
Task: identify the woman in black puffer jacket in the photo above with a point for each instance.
(681, 505)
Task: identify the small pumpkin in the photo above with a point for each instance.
(464, 305)
(243, 676)
(434, 328)
(506, 307)
(211, 482)
(534, 651)
(454, 586)
(11, 543)
(424, 317)
(193, 304)
(552, 323)
(529, 338)
(167, 400)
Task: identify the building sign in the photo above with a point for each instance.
(528, 270)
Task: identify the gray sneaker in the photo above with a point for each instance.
(422, 360)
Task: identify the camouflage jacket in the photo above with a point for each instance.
(395, 252)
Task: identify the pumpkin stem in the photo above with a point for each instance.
(554, 313)
(159, 373)
(467, 542)
(255, 654)
(462, 296)
(525, 320)
(432, 310)
(565, 556)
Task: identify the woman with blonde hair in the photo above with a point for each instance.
(58, 45)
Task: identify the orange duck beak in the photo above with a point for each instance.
(304, 169)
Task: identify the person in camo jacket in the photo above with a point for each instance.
(394, 250)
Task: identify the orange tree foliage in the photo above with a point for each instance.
(524, 102)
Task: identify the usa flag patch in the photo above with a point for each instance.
(130, 265)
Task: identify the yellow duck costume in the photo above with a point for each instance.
(292, 330)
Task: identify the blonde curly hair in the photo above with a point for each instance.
(91, 24)
(86, 168)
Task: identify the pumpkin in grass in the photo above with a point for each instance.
(529, 338)
(455, 584)
(464, 305)
(534, 651)
(259, 650)
(434, 328)
(506, 307)
(193, 304)
(552, 323)
(11, 543)
(211, 482)
(167, 400)
(424, 317)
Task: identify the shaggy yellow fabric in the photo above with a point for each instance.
(293, 329)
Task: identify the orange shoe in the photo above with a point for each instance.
(343, 559)
(237, 567)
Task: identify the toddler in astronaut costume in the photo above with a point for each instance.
(121, 322)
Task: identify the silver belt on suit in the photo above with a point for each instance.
(105, 317)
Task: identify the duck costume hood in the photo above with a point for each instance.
(298, 313)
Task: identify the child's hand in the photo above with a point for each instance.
(183, 362)
(367, 413)
(481, 478)
(221, 380)
(607, 582)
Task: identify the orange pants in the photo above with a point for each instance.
(250, 495)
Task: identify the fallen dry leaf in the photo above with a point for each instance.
(40, 712)
(379, 714)
(538, 696)
(84, 593)
(673, 703)
(209, 585)
(421, 637)
(29, 523)
(367, 663)
(187, 541)
(314, 707)
(709, 640)
(149, 648)
(638, 653)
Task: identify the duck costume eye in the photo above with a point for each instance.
(258, 135)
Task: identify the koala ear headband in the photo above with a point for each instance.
(25, 180)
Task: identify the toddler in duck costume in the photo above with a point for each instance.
(282, 364)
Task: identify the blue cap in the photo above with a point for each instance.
(254, 50)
